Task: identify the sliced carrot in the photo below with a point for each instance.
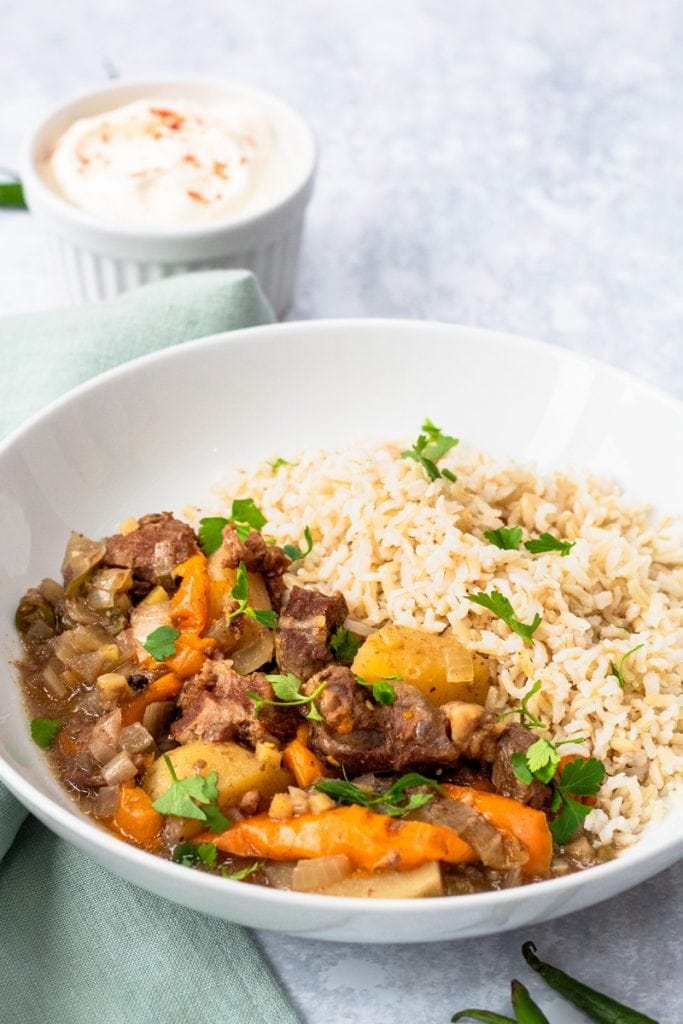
(528, 826)
(166, 687)
(190, 654)
(190, 603)
(370, 841)
(135, 817)
(301, 761)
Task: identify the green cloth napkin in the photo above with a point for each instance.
(77, 944)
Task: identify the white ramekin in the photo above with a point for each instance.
(99, 260)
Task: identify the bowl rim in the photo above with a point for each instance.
(41, 197)
(76, 822)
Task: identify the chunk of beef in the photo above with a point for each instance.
(304, 630)
(159, 544)
(364, 737)
(473, 730)
(215, 708)
(516, 739)
(268, 559)
(493, 848)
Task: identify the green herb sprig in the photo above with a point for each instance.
(546, 542)
(382, 690)
(240, 593)
(344, 645)
(245, 516)
(45, 730)
(528, 718)
(287, 690)
(508, 538)
(294, 553)
(618, 670)
(193, 797)
(394, 802)
(500, 606)
(12, 195)
(161, 642)
(242, 873)
(431, 445)
(191, 854)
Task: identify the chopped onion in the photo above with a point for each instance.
(106, 585)
(106, 803)
(278, 873)
(253, 655)
(147, 617)
(319, 872)
(119, 769)
(157, 716)
(359, 628)
(54, 684)
(135, 738)
(104, 740)
(80, 556)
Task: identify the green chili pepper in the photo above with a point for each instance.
(597, 1006)
(483, 1015)
(525, 1008)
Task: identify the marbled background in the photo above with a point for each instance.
(507, 164)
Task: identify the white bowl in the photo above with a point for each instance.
(99, 260)
(127, 444)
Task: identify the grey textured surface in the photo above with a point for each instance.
(510, 165)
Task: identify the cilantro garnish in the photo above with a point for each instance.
(500, 606)
(382, 690)
(582, 777)
(184, 797)
(244, 516)
(431, 445)
(618, 670)
(190, 854)
(44, 731)
(344, 645)
(161, 642)
(394, 802)
(505, 537)
(240, 592)
(528, 717)
(287, 690)
(237, 876)
(295, 553)
(546, 542)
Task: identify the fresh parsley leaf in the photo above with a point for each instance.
(44, 731)
(276, 463)
(394, 802)
(582, 777)
(12, 195)
(295, 553)
(210, 533)
(190, 854)
(528, 717)
(215, 819)
(431, 445)
(285, 687)
(618, 670)
(245, 513)
(520, 768)
(287, 690)
(244, 516)
(240, 593)
(344, 645)
(500, 606)
(546, 542)
(237, 876)
(542, 760)
(161, 642)
(382, 690)
(505, 537)
(569, 820)
(184, 795)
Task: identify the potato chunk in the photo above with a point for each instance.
(239, 770)
(391, 885)
(439, 666)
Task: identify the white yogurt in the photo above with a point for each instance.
(173, 163)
